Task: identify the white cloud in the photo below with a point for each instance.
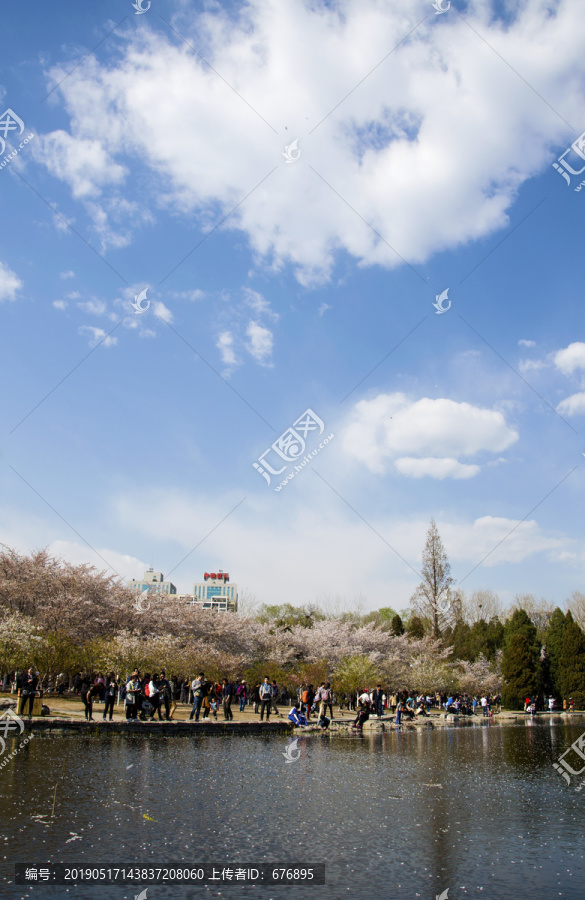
(85, 165)
(573, 405)
(193, 295)
(97, 336)
(225, 345)
(10, 283)
(397, 149)
(434, 468)
(260, 341)
(382, 430)
(253, 540)
(571, 358)
(94, 307)
(73, 295)
(532, 365)
(119, 563)
(524, 343)
(323, 308)
(69, 274)
(60, 304)
(162, 311)
(259, 304)
(518, 540)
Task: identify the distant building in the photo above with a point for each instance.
(215, 592)
(153, 583)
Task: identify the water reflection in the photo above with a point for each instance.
(393, 814)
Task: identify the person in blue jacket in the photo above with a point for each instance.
(296, 716)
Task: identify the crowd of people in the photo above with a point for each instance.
(150, 695)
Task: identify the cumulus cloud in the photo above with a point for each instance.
(10, 283)
(259, 343)
(162, 311)
(259, 304)
(94, 307)
(524, 343)
(68, 274)
(515, 541)
(430, 149)
(225, 345)
(84, 165)
(423, 437)
(60, 304)
(573, 405)
(571, 358)
(434, 468)
(97, 336)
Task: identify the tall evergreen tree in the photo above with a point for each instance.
(572, 665)
(554, 647)
(432, 598)
(520, 671)
(416, 628)
(521, 623)
(396, 626)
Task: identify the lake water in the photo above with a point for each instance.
(408, 814)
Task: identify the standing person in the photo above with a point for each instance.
(133, 689)
(308, 697)
(184, 691)
(377, 701)
(28, 690)
(399, 708)
(322, 696)
(484, 706)
(363, 710)
(257, 698)
(329, 698)
(110, 695)
(198, 694)
(155, 697)
(274, 696)
(242, 694)
(165, 693)
(551, 704)
(227, 693)
(88, 696)
(265, 698)
(102, 683)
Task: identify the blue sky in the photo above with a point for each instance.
(158, 162)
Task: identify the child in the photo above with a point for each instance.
(214, 708)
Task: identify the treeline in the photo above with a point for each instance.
(65, 618)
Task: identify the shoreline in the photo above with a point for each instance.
(60, 725)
